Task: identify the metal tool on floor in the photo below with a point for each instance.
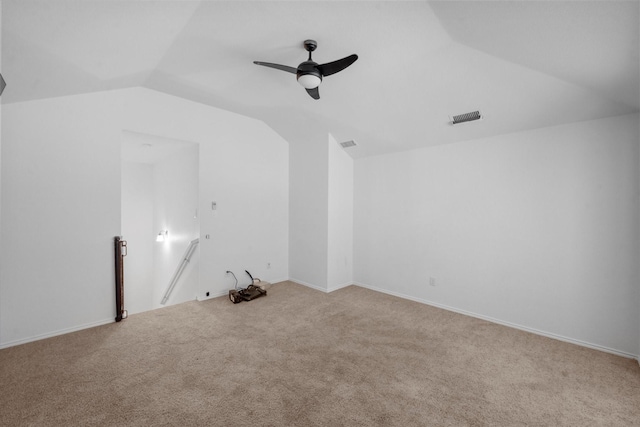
(255, 290)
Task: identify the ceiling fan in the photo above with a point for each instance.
(309, 73)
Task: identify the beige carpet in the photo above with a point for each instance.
(303, 358)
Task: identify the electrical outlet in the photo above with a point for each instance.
(432, 281)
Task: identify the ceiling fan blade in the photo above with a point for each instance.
(335, 66)
(314, 93)
(277, 66)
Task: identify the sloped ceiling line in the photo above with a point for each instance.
(531, 64)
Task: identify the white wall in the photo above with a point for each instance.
(537, 229)
(176, 191)
(308, 212)
(244, 169)
(61, 202)
(321, 213)
(160, 196)
(139, 232)
(0, 156)
(340, 217)
(1, 261)
(60, 211)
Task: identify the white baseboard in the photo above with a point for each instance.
(320, 288)
(309, 285)
(504, 323)
(335, 288)
(55, 333)
(212, 295)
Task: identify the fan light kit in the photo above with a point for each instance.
(309, 73)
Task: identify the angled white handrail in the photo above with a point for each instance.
(185, 260)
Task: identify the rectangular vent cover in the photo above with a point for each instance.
(348, 144)
(466, 117)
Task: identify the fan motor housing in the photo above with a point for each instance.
(309, 67)
(306, 70)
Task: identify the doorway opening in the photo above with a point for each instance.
(159, 219)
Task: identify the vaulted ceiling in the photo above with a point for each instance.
(523, 64)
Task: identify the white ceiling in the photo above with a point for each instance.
(524, 64)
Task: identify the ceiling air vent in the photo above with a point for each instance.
(348, 144)
(466, 117)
